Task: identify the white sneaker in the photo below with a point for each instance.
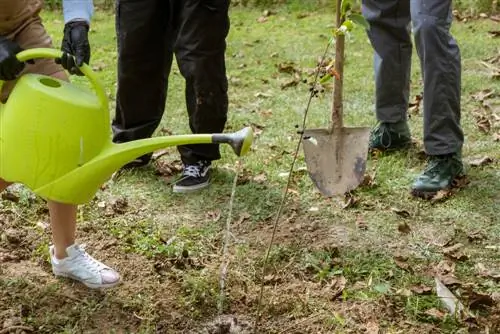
(84, 268)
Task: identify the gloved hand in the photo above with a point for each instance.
(10, 67)
(75, 46)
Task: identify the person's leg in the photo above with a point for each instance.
(441, 71)
(144, 61)
(200, 52)
(67, 258)
(390, 38)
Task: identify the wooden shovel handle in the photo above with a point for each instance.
(337, 108)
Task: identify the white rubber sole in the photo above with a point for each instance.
(190, 189)
(88, 285)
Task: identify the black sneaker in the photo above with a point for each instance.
(194, 177)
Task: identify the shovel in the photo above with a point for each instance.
(336, 157)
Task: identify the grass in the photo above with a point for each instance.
(333, 269)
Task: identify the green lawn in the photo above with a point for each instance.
(334, 268)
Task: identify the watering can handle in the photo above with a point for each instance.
(85, 69)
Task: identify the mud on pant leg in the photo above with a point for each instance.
(390, 38)
(144, 61)
(441, 70)
(200, 51)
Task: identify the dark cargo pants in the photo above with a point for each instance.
(149, 33)
(439, 54)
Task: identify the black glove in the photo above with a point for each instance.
(10, 67)
(75, 46)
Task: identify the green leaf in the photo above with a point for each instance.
(326, 78)
(348, 24)
(359, 19)
(345, 6)
(381, 287)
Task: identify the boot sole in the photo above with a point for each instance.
(428, 195)
(88, 285)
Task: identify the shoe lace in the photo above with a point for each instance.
(433, 166)
(383, 131)
(192, 170)
(86, 261)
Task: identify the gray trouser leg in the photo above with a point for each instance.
(440, 62)
(441, 69)
(390, 37)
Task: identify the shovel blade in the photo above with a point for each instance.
(336, 162)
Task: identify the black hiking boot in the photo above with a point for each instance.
(439, 174)
(390, 136)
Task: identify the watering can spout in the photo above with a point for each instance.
(80, 185)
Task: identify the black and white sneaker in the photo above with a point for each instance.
(194, 177)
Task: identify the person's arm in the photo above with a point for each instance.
(77, 17)
(78, 10)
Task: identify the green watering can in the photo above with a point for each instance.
(55, 137)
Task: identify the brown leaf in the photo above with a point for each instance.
(401, 213)
(421, 289)
(435, 313)
(483, 94)
(404, 228)
(290, 83)
(165, 168)
(441, 195)
(372, 327)
(368, 180)
(244, 216)
(260, 178)
(454, 252)
(478, 300)
(482, 271)
(483, 124)
(337, 286)
(361, 223)
(119, 205)
(494, 33)
(214, 215)
(287, 68)
(10, 196)
(350, 201)
(401, 263)
(475, 236)
(481, 161)
(414, 107)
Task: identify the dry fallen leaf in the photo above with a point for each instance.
(372, 327)
(244, 216)
(214, 215)
(337, 286)
(400, 262)
(350, 201)
(361, 223)
(10, 196)
(483, 94)
(482, 271)
(401, 213)
(404, 228)
(421, 289)
(481, 161)
(454, 252)
(435, 313)
(260, 178)
(414, 107)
